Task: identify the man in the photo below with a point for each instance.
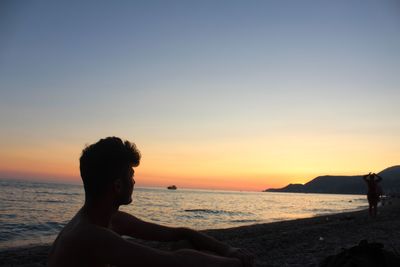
(374, 192)
(93, 236)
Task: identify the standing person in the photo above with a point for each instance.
(374, 192)
(93, 236)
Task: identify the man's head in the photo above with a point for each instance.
(106, 166)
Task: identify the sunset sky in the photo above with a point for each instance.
(240, 95)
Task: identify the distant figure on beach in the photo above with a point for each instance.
(93, 236)
(374, 192)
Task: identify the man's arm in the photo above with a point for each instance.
(204, 242)
(365, 177)
(379, 178)
(107, 247)
(126, 224)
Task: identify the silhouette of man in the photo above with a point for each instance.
(93, 236)
(374, 192)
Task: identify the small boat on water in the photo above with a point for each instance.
(172, 187)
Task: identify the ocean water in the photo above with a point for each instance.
(32, 213)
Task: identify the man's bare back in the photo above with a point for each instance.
(82, 243)
(93, 237)
(72, 246)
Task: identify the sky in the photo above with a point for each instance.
(237, 95)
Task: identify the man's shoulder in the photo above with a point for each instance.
(81, 239)
(94, 232)
(70, 245)
(78, 233)
(86, 232)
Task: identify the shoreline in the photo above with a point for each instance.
(299, 242)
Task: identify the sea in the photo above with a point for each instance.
(33, 213)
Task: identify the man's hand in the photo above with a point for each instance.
(243, 255)
(365, 176)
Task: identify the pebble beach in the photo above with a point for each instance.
(301, 242)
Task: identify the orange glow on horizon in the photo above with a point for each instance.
(252, 164)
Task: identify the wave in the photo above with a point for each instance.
(8, 216)
(51, 201)
(244, 221)
(58, 193)
(217, 212)
(11, 231)
(322, 210)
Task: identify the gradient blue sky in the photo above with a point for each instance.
(273, 90)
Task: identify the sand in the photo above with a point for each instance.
(302, 242)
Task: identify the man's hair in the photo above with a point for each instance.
(103, 162)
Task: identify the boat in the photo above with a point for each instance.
(172, 187)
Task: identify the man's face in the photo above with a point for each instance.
(127, 184)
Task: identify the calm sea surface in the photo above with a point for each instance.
(33, 213)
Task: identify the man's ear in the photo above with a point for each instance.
(117, 185)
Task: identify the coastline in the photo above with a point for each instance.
(300, 242)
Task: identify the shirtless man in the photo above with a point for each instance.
(93, 236)
(374, 192)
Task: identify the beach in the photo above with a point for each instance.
(271, 126)
(301, 242)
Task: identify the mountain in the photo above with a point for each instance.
(345, 184)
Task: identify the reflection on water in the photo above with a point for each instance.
(32, 213)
